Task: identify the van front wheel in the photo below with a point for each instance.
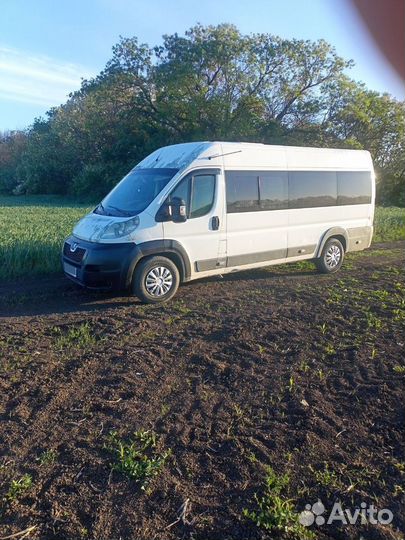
(156, 279)
(331, 258)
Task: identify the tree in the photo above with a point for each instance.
(12, 146)
(361, 118)
(216, 82)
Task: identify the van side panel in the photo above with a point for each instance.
(307, 227)
(256, 237)
(360, 238)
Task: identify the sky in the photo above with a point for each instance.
(48, 46)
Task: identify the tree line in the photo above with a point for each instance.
(213, 83)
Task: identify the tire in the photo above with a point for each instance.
(156, 279)
(331, 258)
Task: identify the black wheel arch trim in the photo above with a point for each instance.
(331, 233)
(160, 247)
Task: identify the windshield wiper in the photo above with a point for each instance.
(100, 207)
(122, 212)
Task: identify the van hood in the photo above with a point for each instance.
(92, 226)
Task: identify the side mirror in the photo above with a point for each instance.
(175, 210)
(179, 210)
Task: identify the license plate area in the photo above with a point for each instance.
(70, 269)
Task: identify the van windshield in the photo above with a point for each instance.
(135, 192)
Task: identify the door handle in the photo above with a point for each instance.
(215, 223)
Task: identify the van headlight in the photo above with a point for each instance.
(120, 228)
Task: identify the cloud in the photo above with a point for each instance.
(39, 80)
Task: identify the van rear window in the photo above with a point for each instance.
(354, 187)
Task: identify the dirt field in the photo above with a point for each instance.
(279, 366)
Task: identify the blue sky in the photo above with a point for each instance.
(47, 46)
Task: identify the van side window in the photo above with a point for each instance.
(277, 190)
(311, 189)
(242, 192)
(273, 187)
(202, 195)
(256, 190)
(181, 191)
(354, 187)
(197, 192)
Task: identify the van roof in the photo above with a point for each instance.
(257, 155)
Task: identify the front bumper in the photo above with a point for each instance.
(99, 266)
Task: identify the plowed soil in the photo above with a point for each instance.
(279, 367)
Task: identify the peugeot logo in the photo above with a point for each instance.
(73, 247)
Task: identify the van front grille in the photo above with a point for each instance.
(76, 254)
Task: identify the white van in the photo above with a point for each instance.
(193, 210)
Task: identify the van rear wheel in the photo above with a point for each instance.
(156, 279)
(331, 258)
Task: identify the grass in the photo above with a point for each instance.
(19, 487)
(399, 369)
(389, 224)
(325, 477)
(48, 457)
(32, 230)
(138, 457)
(275, 512)
(78, 337)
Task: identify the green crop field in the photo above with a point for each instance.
(389, 224)
(32, 229)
